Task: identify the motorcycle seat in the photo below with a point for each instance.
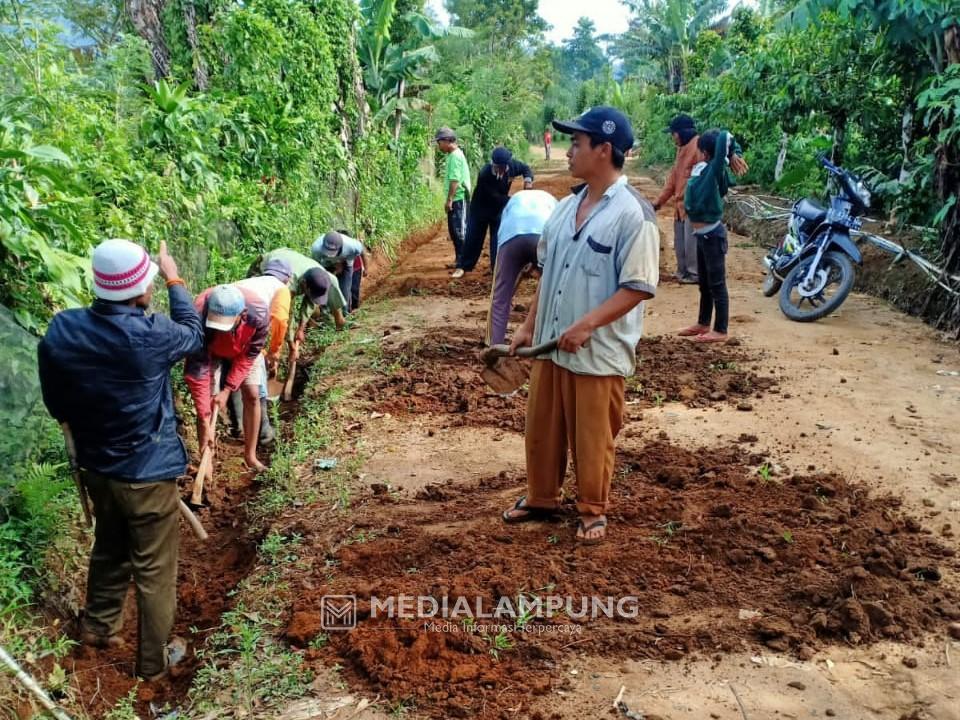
(810, 211)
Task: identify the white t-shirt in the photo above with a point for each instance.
(525, 214)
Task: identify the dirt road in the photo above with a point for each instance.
(784, 519)
(770, 583)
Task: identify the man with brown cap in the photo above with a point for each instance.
(457, 184)
(105, 373)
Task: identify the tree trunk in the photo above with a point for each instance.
(200, 77)
(839, 140)
(145, 17)
(398, 113)
(781, 156)
(906, 136)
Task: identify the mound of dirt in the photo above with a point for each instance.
(671, 369)
(705, 554)
(439, 373)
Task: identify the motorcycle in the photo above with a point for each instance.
(812, 267)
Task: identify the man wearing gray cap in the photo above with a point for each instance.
(493, 192)
(457, 179)
(336, 252)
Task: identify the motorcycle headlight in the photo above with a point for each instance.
(863, 193)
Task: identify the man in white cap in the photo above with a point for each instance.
(336, 251)
(105, 372)
(237, 322)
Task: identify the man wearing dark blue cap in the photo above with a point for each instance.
(683, 129)
(599, 252)
(489, 200)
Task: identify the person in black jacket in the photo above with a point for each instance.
(105, 372)
(489, 199)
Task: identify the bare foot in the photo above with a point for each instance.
(711, 337)
(694, 330)
(591, 529)
(254, 464)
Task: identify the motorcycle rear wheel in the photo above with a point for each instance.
(839, 273)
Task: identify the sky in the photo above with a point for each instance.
(608, 15)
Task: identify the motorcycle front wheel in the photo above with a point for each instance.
(771, 283)
(830, 287)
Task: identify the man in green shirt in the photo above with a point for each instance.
(318, 287)
(457, 178)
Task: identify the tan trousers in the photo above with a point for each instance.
(582, 413)
(137, 535)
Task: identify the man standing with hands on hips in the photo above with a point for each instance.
(599, 252)
(457, 183)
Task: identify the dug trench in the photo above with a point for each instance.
(725, 549)
(207, 572)
(707, 555)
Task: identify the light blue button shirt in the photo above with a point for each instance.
(525, 214)
(617, 246)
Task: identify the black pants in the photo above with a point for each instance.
(355, 289)
(457, 226)
(711, 260)
(479, 221)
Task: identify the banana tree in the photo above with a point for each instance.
(393, 73)
(664, 32)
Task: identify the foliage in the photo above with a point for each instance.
(661, 37)
(581, 56)
(504, 25)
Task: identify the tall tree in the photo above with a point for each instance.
(504, 24)
(662, 34)
(581, 55)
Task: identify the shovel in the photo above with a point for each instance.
(503, 372)
(205, 470)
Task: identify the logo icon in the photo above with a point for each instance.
(608, 127)
(338, 612)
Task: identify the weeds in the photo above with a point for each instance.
(125, 707)
(765, 472)
(723, 365)
(787, 537)
(499, 643)
(658, 399)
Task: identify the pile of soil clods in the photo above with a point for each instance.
(707, 553)
(671, 369)
(439, 373)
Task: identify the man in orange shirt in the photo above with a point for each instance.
(684, 132)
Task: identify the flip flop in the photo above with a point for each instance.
(542, 514)
(602, 523)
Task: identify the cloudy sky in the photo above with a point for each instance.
(608, 15)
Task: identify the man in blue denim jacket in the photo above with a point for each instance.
(105, 372)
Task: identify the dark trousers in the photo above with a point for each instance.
(520, 251)
(685, 248)
(355, 289)
(457, 226)
(137, 535)
(345, 281)
(479, 221)
(711, 260)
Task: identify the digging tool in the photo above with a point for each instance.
(191, 519)
(75, 469)
(33, 686)
(205, 471)
(503, 372)
(292, 371)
